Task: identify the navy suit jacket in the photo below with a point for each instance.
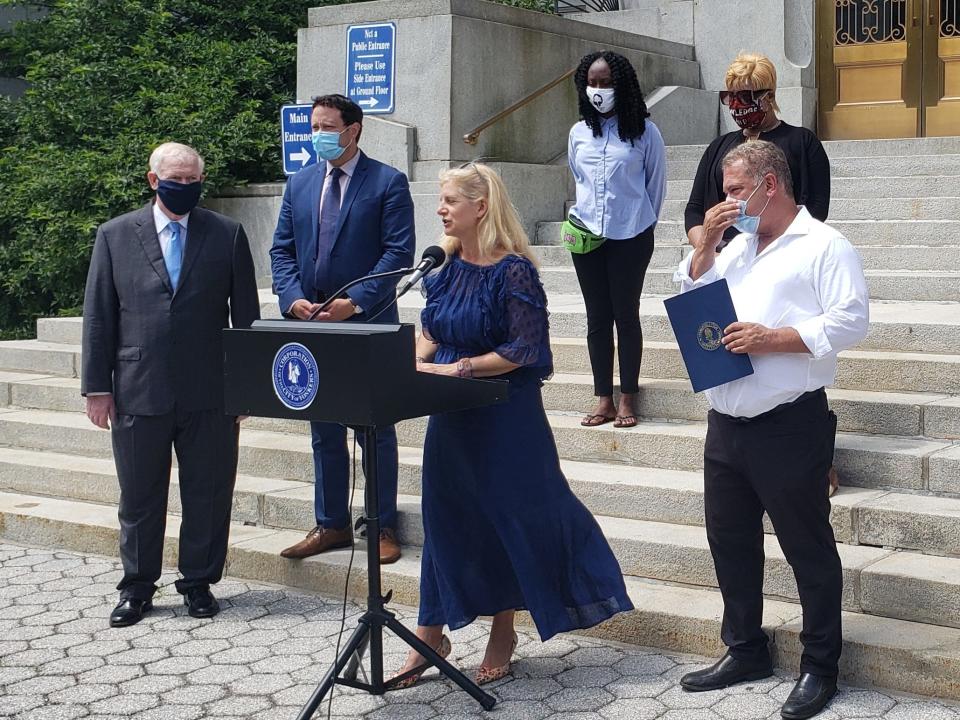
(375, 233)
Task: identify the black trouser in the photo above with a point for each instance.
(611, 280)
(206, 445)
(777, 462)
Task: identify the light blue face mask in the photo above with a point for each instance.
(748, 223)
(327, 144)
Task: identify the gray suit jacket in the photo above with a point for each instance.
(153, 348)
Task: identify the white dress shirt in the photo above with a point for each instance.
(810, 279)
(162, 223)
(348, 169)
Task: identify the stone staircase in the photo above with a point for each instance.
(897, 516)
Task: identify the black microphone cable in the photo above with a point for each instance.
(346, 584)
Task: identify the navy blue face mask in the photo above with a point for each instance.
(179, 198)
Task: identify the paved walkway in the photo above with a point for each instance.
(264, 654)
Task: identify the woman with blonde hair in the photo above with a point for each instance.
(502, 529)
(751, 97)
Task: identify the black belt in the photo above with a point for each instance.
(778, 409)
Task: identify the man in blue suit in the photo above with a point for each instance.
(346, 217)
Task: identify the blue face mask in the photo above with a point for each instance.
(327, 144)
(748, 223)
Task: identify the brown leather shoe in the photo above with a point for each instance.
(389, 547)
(319, 540)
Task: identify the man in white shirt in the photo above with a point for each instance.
(801, 298)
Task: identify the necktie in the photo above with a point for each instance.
(326, 232)
(174, 256)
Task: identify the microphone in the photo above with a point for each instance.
(431, 258)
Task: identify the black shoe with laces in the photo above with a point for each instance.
(200, 602)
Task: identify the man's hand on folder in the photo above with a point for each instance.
(755, 339)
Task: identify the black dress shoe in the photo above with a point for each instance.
(200, 602)
(809, 696)
(129, 611)
(725, 672)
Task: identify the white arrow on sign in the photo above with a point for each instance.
(302, 155)
(371, 102)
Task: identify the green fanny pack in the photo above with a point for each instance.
(577, 239)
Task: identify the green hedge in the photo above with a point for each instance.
(109, 80)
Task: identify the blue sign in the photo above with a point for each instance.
(297, 145)
(295, 376)
(371, 63)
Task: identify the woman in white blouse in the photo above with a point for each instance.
(618, 161)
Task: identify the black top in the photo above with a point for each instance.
(809, 168)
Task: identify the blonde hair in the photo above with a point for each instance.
(173, 152)
(753, 71)
(499, 230)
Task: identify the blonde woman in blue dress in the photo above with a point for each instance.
(502, 529)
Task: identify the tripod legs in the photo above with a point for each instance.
(358, 639)
(401, 631)
(370, 631)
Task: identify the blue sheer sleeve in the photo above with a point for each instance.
(525, 309)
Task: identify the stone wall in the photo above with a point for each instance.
(461, 61)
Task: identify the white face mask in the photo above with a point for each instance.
(601, 98)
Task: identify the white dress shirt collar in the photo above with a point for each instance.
(348, 167)
(161, 220)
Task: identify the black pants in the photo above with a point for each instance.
(206, 446)
(611, 280)
(777, 463)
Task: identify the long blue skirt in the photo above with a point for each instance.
(502, 528)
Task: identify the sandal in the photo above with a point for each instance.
(411, 677)
(488, 675)
(596, 420)
(625, 421)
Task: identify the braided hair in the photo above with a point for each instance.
(631, 108)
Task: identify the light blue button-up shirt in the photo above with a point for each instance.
(620, 187)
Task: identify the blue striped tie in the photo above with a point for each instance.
(174, 257)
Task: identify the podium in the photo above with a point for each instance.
(363, 376)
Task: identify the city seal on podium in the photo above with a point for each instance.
(709, 335)
(295, 376)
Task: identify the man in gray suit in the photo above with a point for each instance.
(164, 281)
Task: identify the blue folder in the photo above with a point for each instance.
(698, 318)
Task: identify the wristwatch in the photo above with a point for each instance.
(356, 308)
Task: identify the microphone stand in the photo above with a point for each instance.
(339, 293)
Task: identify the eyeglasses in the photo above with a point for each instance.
(743, 97)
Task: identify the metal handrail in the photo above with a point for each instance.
(471, 137)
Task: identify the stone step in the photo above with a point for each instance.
(662, 551)
(863, 460)
(894, 326)
(900, 326)
(843, 210)
(885, 233)
(841, 167)
(896, 654)
(904, 286)
(853, 148)
(930, 415)
(870, 188)
(874, 257)
(925, 523)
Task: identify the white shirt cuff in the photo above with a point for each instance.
(814, 336)
(682, 275)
